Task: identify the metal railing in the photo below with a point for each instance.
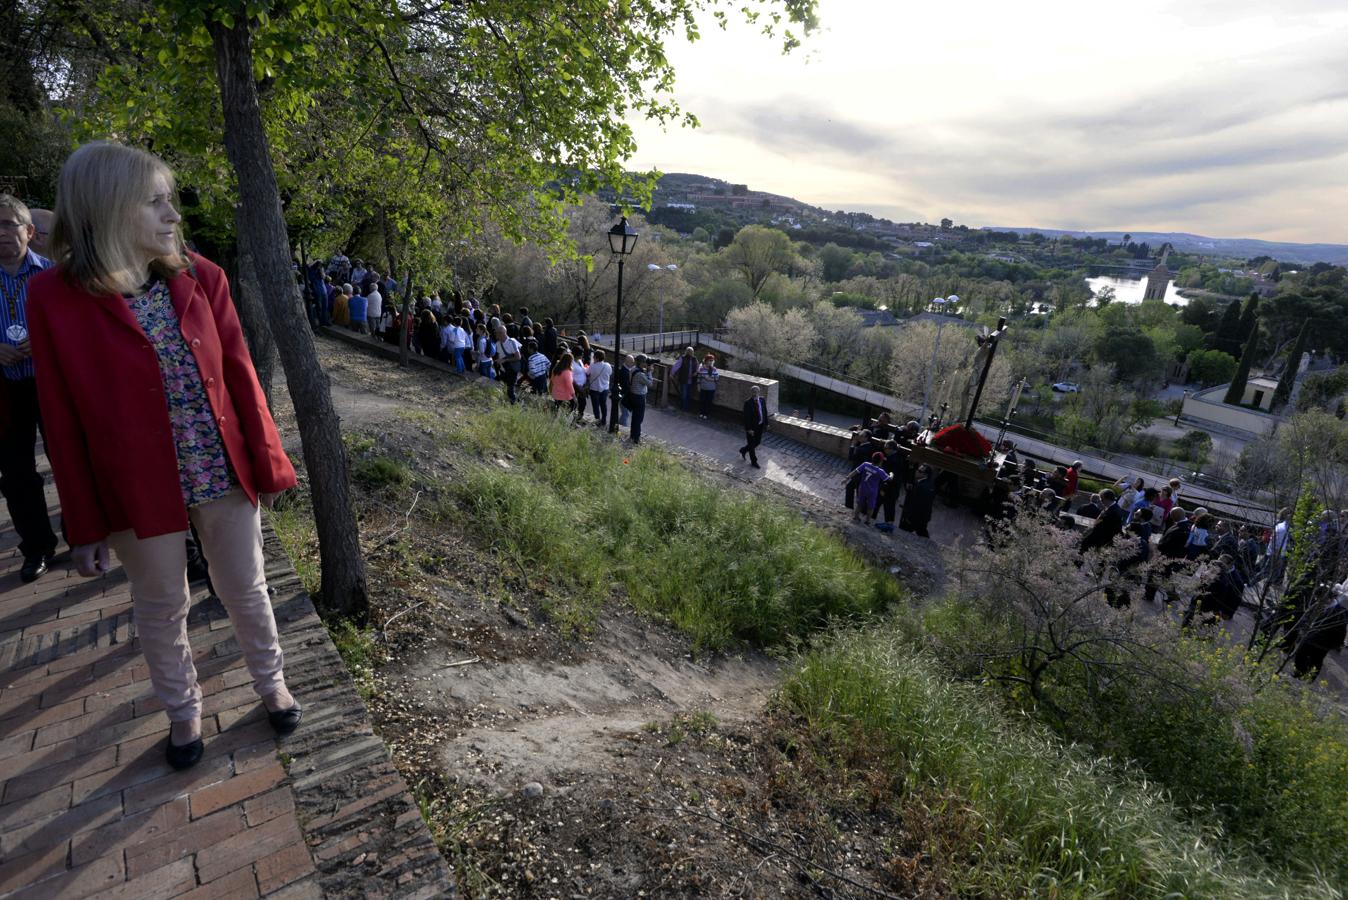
(638, 340)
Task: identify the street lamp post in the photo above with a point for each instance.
(622, 239)
(653, 267)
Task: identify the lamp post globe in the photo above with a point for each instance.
(622, 240)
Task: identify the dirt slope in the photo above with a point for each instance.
(610, 763)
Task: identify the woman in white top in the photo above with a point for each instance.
(579, 379)
(458, 344)
(1128, 492)
(374, 309)
(597, 379)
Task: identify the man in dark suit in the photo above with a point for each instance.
(20, 421)
(917, 507)
(1107, 527)
(755, 423)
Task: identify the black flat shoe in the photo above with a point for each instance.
(34, 567)
(186, 756)
(286, 721)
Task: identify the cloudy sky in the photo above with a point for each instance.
(1220, 117)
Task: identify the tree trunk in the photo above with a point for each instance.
(262, 237)
(256, 331)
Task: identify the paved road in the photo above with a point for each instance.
(1110, 469)
(786, 462)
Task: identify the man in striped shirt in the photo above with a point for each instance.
(19, 419)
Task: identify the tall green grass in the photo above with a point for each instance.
(1042, 817)
(723, 567)
(1229, 740)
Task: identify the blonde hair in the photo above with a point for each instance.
(100, 186)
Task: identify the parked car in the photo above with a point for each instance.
(1067, 387)
(1209, 481)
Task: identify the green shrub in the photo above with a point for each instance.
(1194, 446)
(379, 471)
(1211, 367)
(1231, 743)
(1146, 445)
(1049, 818)
(725, 568)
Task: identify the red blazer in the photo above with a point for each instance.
(105, 415)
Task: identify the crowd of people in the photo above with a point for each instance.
(1162, 544)
(1159, 541)
(524, 355)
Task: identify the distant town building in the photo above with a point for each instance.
(1259, 392)
(877, 318)
(1159, 279)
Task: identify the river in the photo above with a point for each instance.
(1130, 290)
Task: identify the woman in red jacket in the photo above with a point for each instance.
(154, 418)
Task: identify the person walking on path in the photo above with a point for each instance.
(20, 419)
(599, 376)
(896, 464)
(550, 341)
(1073, 482)
(580, 379)
(918, 504)
(509, 353)
(641, 382)
(538, 367)
(156, 421)
(356, 310)
(374, 309)
(1108, 525)
(561, 383)
(625, 389)
(707, 376)
(870, 475)
(341, 307)
(755, 423)
(685, 376)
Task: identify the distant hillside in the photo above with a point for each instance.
(684, 200)
(1240, 248)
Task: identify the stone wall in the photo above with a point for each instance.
(831, 440)
(1207, 406)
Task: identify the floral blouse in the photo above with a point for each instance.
(203, 468)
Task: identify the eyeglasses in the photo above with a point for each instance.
(12, 226)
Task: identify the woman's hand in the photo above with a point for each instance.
(268, 498)
(91, 560)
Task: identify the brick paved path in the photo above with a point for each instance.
(90, 808)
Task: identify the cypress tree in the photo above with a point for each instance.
(1247, 318)
(1289, 373)
(1227, 336)
(1236, 391)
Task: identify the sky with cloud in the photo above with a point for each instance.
(1220, 117)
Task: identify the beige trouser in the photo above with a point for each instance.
(231, 538)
